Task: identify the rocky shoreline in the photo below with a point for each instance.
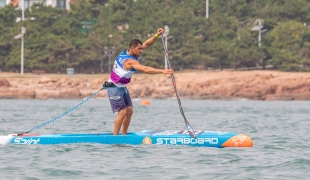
(254, 85)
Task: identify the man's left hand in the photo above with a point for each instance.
(160, 31)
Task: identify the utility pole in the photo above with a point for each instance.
(21, 36)
(207, 9)
(22, 43)
(259, 33)
(259, 28)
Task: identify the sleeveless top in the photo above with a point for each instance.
(119, 75)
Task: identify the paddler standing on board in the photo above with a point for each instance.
(125, 65)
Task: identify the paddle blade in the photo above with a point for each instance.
(193, 135)
(191, 131)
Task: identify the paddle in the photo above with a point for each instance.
(190, 129)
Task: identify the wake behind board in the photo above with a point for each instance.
(161, 137)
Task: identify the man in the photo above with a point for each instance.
(124, 66)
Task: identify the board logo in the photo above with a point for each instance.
(26, 141)
(147, 140)
(238, 140)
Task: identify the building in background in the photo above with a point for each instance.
(28, 3)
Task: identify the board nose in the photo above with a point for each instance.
(239, 140)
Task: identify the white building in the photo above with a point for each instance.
(28, 3)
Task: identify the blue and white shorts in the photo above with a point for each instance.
(119, 98)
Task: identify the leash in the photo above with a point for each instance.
(63, 114)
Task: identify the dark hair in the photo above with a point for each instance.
(134, 43)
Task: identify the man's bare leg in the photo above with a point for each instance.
(119, 120)
(127, 120)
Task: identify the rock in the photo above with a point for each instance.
(46, 94)
(4, 82)
(16, 93)
(26, 94)
(46, 79)
(70, 93)
(87, 93)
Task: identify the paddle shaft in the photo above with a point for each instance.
(189, 127)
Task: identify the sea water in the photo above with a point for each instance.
(280, 131)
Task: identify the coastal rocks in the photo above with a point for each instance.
(10, 92)
(84, 93)
(46, 80)
(16, 93)
(255, 85)
(57, 94)
(4, 82)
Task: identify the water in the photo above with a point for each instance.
(279, 129)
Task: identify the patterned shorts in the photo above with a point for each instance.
(119, 98)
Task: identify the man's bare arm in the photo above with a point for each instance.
(151, 40)
(131, 63)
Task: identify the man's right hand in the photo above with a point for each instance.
(104, 86)
(168, 71)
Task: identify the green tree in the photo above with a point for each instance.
(57, 39)
(287, 39)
